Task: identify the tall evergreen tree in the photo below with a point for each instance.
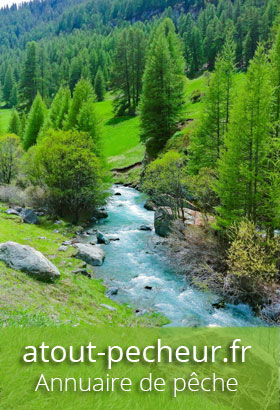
(127, 71)
(248, 183)
(163, 89)
(35, 122)
(82, 115)
(29, 84)
(14, 96)
(9, 83)
(99, 85)
(207, 142)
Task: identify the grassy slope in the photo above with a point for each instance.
(4, 120)
(73, 299)
(121, 138)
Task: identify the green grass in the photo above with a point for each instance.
(193, 111)
(73, 299)
(5, 116)
(121, 137)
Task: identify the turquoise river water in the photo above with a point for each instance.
(132, 263)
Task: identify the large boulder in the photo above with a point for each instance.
(90, 254)
(28, 260)
(163, 222)
(101, 238)
(29, 216)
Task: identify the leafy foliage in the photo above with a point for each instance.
(64, 163)
(10, 154)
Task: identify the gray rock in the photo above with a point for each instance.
(112, 292)
(111, 308)
(163, 222)
(101, 238)
(83, 272)
(63, 248)
(18, 208)
(100, 214)
(67, 243)
(40, 213)
(28, 260)
(12, 211)
(145, 228)
(29, 216)
(150, 205)
(90, 254)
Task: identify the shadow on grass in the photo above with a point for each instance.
(119, 120)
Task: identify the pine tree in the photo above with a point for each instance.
(14, 96)
(29, 84)
(99, 85)
(75, 73)
(163, 89)
(208, 140)
(35, 122)
(8, 86)
(127, 70)
(248, 176)
(15, 124)
(83, 94)
(57, 112)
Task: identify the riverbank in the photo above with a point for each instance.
(197, 254)
(74, 299)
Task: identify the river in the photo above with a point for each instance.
(131, 264)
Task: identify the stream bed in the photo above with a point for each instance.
(132, 264)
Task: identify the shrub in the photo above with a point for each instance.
(252, 255)
(11, 195)
(252, 260)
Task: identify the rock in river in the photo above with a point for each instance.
(145, 228)
(112, 292)
(90, 254)
(28, 260)
(101, 238)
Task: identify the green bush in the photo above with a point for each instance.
(251, 254)
(64, 164)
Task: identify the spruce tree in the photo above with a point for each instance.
(29, 84)
(99, 85)
(83, 94)
(163, 89)
(248, 176)
(14, 96)
(8, 87)
(15, 124)
(35, 122)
